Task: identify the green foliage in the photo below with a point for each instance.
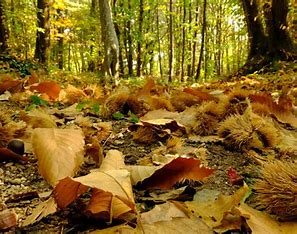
(35, 102)
(12, 64)
(92, 106)
(118, 116)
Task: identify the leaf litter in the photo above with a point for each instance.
(143, 170)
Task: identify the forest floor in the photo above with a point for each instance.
(23, 188)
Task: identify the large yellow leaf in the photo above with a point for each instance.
(112, 194)
(260, 222)
(59, 152)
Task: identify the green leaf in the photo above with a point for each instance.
(38, 101)
(96, 108)
(133, 118)
(80, 106)
(118, 116)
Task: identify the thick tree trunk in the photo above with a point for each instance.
(265, 49)
(280, 44)
(3, 29)
(109, 39)
(43, 31)
(139, 43)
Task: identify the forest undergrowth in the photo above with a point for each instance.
(77, 156)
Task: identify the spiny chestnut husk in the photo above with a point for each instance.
(276, 191)
(248, 131)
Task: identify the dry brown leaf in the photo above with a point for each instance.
(51, 88)
(42, 210)
(159, 114)
(8, 155)
(169, 218)
(112, 194)
(261, 223)
(59, 152)
(175, 171)
(120, 229)
(37, 118)
(215, 209)
(8, 219)
(139, 173)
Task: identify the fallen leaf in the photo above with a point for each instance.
(8, 155)
(51, 88)
(139, 173)
(42, 210)
(234, 177)
(8, 219)
(59, 152)
(175, 171)
(5, 96)
(112, 194)
(259, 222)
(37, 118)
(119, 229)
(169, 218)
(214, 210)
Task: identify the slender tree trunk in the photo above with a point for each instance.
(3, 29)
(195, 39)
(60, 43)
(202, 41)
(139, 42)
(159, 44)
(110, 40)
(183, 41)
(119, 35)
(129, 42)
(42, 36)
(170, 59)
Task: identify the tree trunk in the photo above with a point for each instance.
(195, 40)
(280, 44)
(265, 49)
(202, 42)
(159, 44)
(257, 38)
(3, 29)
(109, 39)
(183, 41)
(129, 43)
(170, 42)
(43, 32)
(139, 43)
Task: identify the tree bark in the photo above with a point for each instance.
(202, 41)
(170, 42)
(139, 42)
(109, 39)
(3, 29)
(43, 32)
(277, 45)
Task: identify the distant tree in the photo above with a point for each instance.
(43, 31)
(276, 44)
(3, 29)
(109, 39)
(202, 42)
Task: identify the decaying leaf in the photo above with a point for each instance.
(214, 211)
(169, 218)
(59, 152)
(175, 171)
(8, 219)
(42, 210)
(37, 118)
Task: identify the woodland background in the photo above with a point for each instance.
(176, 39)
